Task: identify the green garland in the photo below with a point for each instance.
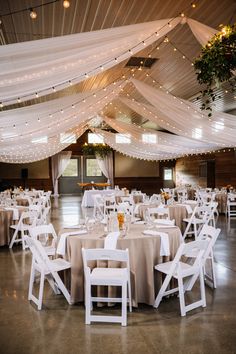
(217, 63)
(100, 150)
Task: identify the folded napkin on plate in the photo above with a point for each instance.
(61, 247)
(165, 246)
(15, 213)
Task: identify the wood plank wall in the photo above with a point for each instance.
(187, 169)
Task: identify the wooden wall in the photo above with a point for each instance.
(187, 169)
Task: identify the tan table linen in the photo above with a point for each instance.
(6, 220)
(22, 202)
(144, 254)
(221, 199)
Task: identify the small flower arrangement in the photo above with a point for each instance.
(165, 195)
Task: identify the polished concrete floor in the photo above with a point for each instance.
(59, 328)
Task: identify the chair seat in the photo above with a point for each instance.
(57, 265)
(108, 276)
(196, 220)
(186, 269)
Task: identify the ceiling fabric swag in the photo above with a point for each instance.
(176, 142)
(38, 66)
(185, 117)
(54, 117)
(141, 150)
(202, 32)
(31, 152)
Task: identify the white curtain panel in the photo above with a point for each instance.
(59, 162)
(106, 166)
(183, 117)
(31, 67)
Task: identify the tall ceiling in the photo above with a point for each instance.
(171, 70)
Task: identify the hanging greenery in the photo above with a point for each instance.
(217, 64)
(100, 150)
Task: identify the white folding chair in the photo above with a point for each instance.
(28, 219)
(159, 215)
(231, 205)
(155, 199)
(126, 208)
(107, 277)
(48, 269)
(109, 203)
(211, 234)
(184, 271)
(42, 233)
(201, 216)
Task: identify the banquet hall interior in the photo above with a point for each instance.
(117, 176)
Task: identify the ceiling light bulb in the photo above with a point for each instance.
(33, 14)
(66, 4)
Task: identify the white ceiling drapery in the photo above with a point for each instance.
(36, 67)
(31, 67)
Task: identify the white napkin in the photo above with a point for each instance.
(15, 213)
(165, 246)
(61, 247)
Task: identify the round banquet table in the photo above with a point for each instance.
(144, 253)
(22, 202)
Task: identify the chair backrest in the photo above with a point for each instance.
(126, 208)
(36, 231)
(30, 217)
(211, 234)
(96, 254)
(39, 254)
(158, 211)
(111, 240)
(199, 247)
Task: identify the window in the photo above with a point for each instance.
(95, 139)
(168, 174)
(40, 140)
(122, 138)
(92, 168)
(149, 138)
(71, 169)
(66, 138)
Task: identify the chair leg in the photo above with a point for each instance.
(40, 300)
(14, 238)
(124, 304)
(213, 270)
(31, 282)
(62, 287)
(202, 288)
(129, 295)
(162, 291)
(87, 303)
(181, 297)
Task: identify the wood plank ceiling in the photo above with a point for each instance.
(171, 70)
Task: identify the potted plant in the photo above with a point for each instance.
(217, 64)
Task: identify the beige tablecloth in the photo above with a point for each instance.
(144, 254)
(22, 202)
(6, 220)
(221, 198)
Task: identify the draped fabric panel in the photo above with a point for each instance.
(31, 67)
(202, 32)
(106, 166)
(59, 162)
(52, 120)
(185, 119)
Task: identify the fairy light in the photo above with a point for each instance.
(33, 14)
